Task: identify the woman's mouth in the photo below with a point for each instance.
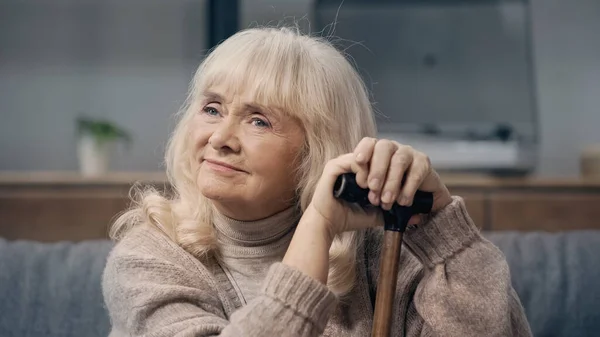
(222, 166)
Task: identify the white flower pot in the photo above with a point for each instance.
(94, 156)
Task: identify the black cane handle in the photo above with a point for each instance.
(397, 217)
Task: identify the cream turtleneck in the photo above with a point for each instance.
(248, 248)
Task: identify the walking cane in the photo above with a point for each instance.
(396, 220)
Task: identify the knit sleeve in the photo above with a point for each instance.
(466, 287)
(148, 295)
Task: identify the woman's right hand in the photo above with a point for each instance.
(337, 216)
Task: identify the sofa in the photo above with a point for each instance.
(54, 289)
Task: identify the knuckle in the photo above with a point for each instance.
(406, 148)
(428, 169)
(377, 173)
(400, 159)
(417, 176)
(421, 156)
(366, 146)
(368, 140)
(427, 161)
(384, 144)
(422, 162)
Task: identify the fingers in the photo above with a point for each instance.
(400, 162)
(415, 175)
(379, 167)
(362, 155)
(340, 165)
(391, 171)
(336, 167)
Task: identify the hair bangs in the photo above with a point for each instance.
(263, 67)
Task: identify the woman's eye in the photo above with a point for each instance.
(260, 123)
(211, 111)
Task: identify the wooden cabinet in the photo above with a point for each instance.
(551, 211)
(529, 204)
(54, 218)
(64, 206)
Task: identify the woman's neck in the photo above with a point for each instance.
(250, 212)
(261, 232)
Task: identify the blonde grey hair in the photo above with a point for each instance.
(305, 76)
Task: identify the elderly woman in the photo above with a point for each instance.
(253, 243)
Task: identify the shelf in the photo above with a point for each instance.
(66, 178)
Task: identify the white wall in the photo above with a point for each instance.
(567, 54)
(128, 61)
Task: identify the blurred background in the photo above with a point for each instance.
(522, 71)
(503, 95)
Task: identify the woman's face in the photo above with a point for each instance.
(247, 154)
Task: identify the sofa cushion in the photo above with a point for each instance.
(52, 289)
(557, 277)
(55, 289)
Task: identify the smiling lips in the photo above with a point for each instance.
(221, 166)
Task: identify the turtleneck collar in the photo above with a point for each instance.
(254, 238)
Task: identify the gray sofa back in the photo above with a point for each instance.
(54, 289)
(557, 277)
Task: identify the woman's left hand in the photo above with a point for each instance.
(393, 172)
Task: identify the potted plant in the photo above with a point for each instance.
(95, 144)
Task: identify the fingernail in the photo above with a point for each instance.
(374, 183)
(405, 201)
(402, 201)
(373, 198)
(360, 157)
(387, 197)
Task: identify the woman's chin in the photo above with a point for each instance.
(213, 187)
(218, 190)
(215, 193)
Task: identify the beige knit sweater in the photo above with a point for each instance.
(452, 282)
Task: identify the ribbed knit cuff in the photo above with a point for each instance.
(445, 234)
(307, 296)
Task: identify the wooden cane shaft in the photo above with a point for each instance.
(386, 284)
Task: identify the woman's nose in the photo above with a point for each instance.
(225, 137)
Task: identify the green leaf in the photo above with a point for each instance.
(102, 130)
